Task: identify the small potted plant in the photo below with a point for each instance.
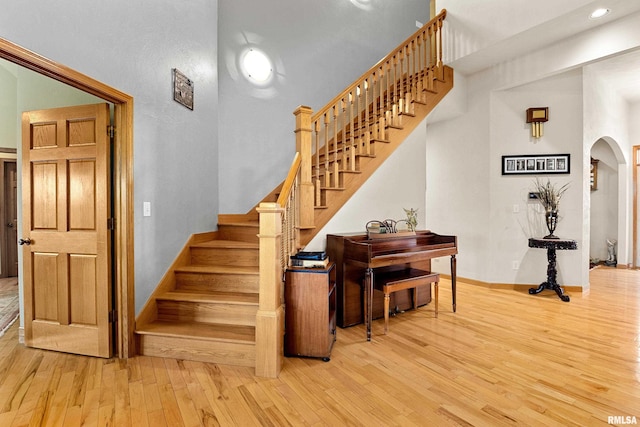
(549, 196)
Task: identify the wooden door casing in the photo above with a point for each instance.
(66, 207)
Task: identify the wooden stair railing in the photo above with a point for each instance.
(279, 238)
(222, 300)
(345, 129)
(329, 145)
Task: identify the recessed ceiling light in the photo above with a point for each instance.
(599, 13)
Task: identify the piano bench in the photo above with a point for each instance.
(390, 282)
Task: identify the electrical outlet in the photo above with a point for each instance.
(146, 209)
(516, 265)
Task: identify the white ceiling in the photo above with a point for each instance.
(488, 32)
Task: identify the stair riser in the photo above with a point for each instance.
(221, 313)
(201, 282)
(198, 350)
(241, 233)
(225, 257)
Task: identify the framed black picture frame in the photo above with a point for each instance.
(536, 164)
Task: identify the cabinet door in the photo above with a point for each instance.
(307, 316)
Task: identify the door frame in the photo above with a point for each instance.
(635, 161)
(122, 191)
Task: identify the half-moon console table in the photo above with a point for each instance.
(551, 245)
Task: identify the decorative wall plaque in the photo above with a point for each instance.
(182, 89)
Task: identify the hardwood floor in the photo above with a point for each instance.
(505, 358)
(9, 304)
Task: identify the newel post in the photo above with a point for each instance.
(304, 143)
(270, 316)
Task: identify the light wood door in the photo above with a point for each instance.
(65, 235)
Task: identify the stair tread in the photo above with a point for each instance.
(231, 244)
(205, 331)
(250, 223)
(211, 297)
(218, 269)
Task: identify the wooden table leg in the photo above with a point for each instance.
(435, 287)
(453, 281)
(386, 313)
(368, 301)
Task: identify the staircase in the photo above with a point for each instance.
(205, 308)
(221, 300)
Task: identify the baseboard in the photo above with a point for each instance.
(514, 286)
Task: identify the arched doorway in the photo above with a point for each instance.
(609, 206)
(123, 179)
(604, 203)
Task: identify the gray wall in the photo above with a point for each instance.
(133, 46)
(228, 153)
(318, 48)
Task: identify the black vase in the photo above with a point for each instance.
(552, 221)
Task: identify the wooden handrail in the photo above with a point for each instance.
(288, 185)
(437, 20)
(345, 128)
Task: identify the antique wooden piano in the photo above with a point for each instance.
(359, 259)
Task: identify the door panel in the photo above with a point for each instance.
(66, 198)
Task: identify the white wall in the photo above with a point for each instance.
(478, 204)
(606, 116)
(458, 177)
(510, 134)
(398, 183)
(8, 99)
(317, 50)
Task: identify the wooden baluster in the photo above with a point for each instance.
(317, 182)
(395, 113)
(408, 91)
(366, 130)
(400, 84)
(420, 67)
(414, 71)
(387, 95)
(430, 58)
(327, 142)
(353, 102)
(404, 84)
(375, 110)
(335, 164)
(382, 124)
(439, 51)
(345, 124)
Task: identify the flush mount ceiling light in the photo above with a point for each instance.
(599, 13)
(256, 66)
(362, 4)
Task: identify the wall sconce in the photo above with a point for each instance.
(537, 116)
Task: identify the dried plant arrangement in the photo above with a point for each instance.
(548, 195)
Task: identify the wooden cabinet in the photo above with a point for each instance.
(310, 311)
